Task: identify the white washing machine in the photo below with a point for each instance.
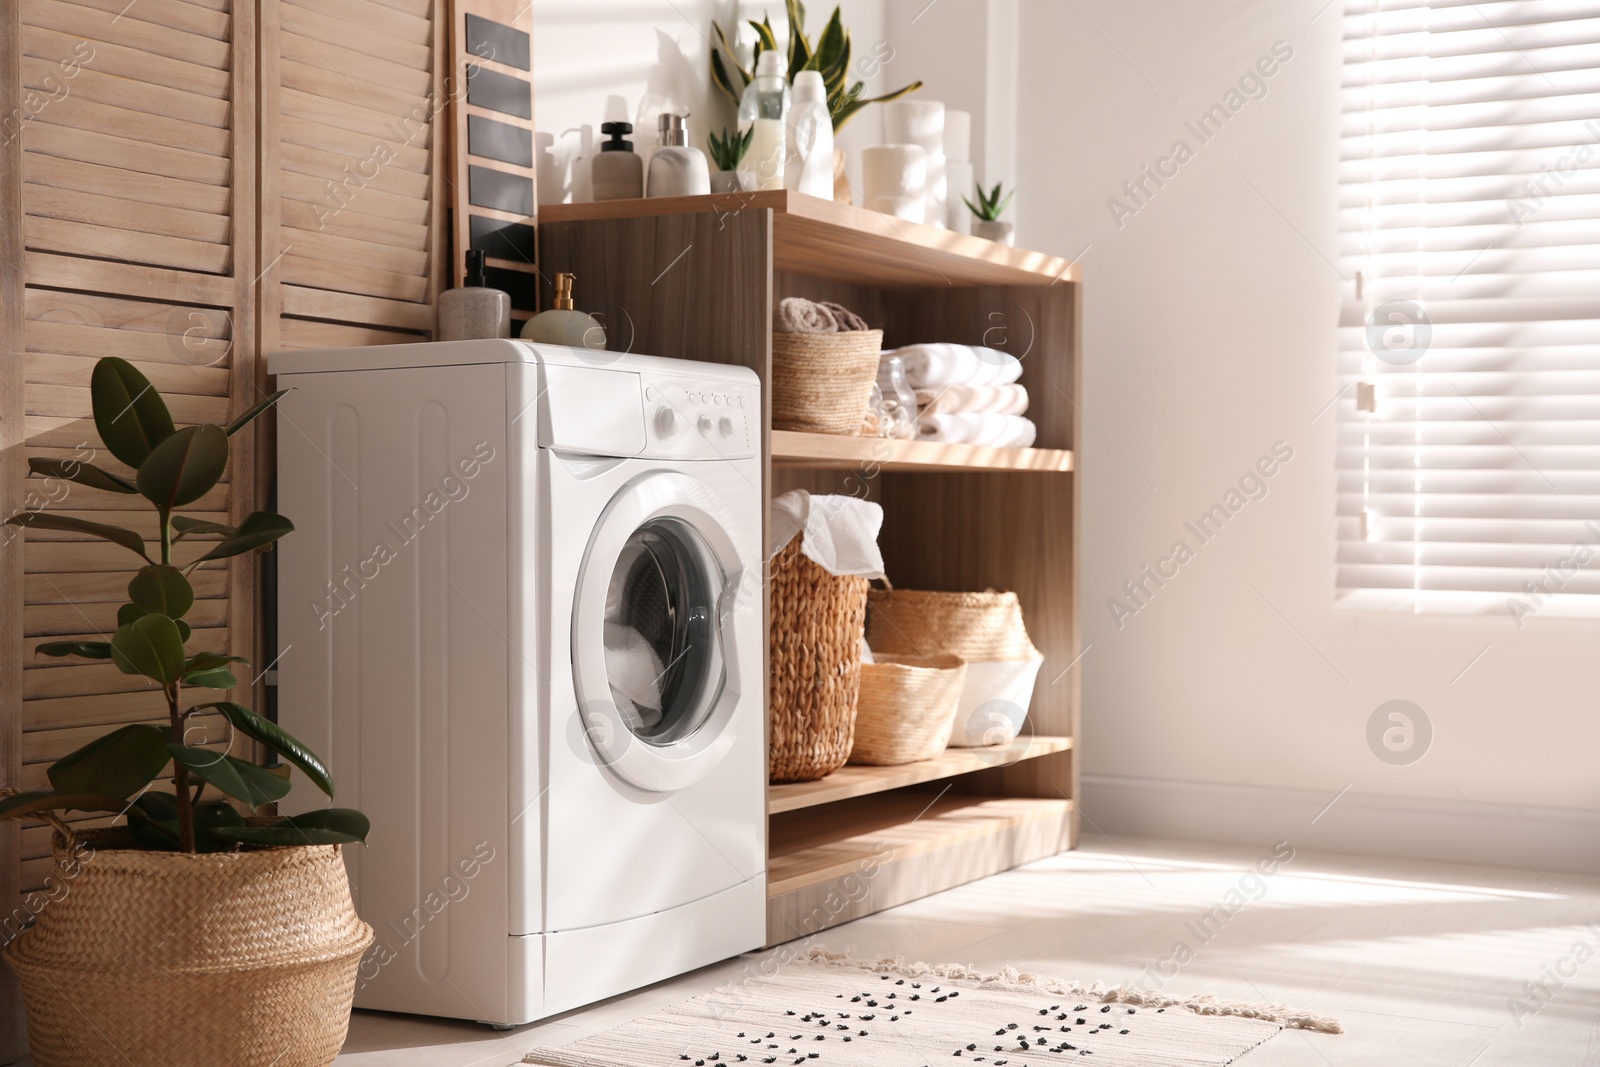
(521, 617)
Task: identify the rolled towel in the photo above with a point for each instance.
(796, 314)
(984, 428)
(932, 366)
(847, 319)
(972, 399)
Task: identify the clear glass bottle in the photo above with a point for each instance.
(764, 108)
(474, 310)
(563, 324)
(899, 399)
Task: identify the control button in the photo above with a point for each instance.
(649, 393)
(741, 401)
(725, 427)
(717, 400)
(705, 424)
(666, 422)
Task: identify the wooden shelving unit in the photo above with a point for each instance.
(852, 781)
(698, 278)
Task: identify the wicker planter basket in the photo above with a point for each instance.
(817, 623)
(158, 959)
(907, 708)
(974, 626)
(822, 382)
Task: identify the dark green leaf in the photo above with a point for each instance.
(258, 528)
(160, 589)
(244, 420)
(209, 818)
(327, 826)
(205, 661)
(276, 738)
(44, 520)
(86, 649)
(767, 40)
(149, 645)
(184, 467)
(19, 804)
(220, 678)
(252, 784)
(188, 527)
(855, 102)
(129, 413)
(153, 804)
(156, 835)
(118, 764)
(82, 473)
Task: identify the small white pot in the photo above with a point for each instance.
(728, 181)
(998, 231)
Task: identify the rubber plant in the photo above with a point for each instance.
(830, 58)
(173, 468)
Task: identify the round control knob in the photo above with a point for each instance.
(725, 427)
(666, 422)
(705, 424)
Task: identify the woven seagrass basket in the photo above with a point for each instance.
(160, 959)
(907, 708)
(975, 626)
(817, 623)
(822, 382)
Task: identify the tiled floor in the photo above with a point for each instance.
(1420, 961)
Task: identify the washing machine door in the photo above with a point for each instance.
(654, 651)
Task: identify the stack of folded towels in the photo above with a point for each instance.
(967, 395)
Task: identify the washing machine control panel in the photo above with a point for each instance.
(696, 418)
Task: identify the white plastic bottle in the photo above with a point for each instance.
(764, 108)
(810, 137)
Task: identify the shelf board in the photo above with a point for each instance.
(835, 451)
(876, 852)
(855, 781)
(827, 239)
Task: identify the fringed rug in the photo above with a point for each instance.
(825, 1010)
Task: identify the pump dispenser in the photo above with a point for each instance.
(675, 168)
(474, 310)
(616, 173)
(563, 324)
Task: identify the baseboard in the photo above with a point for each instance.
(1460, 831)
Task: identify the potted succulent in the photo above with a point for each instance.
(831, 57)
(727, 152)
(986, 215)
(203, 930)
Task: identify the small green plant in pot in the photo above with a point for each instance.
(986, 214)
(727, 152)
(201, 898)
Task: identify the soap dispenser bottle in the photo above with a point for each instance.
(474, 311)
(616, 173)
(764, 110)
(675, 168)
(563, 324)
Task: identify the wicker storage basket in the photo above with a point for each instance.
(159, 959)
(817, 623)
(907, 708)
(974, 626)
(822, 382)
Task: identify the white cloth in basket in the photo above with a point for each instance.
(841, 532)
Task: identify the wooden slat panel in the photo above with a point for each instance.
(342, 116)
(298, 215)
(108, 587)
(381, 72)
(168, 377)
(154, 283)
(325, 82)
(48, 557)
(367, 201)
(129, 30)
(299, 333)
(92, 309)
(114, 213)
(298, 270)
(208, 639)
(54, 620)
(129, 63)
(365, 26)
(85, 679)
(86, 238)
(335, 249)
(355, 174)
(84, 114)
(142, 97)
(157, 189)
(351, 307)
(397, 153)
(61, 400)
(175, 14)
(63, 142)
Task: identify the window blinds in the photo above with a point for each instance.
(1469, 422)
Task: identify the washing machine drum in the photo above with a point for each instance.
(655, 645)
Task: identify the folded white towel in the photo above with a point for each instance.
(931, 366)
(984, 428)
(970, 399)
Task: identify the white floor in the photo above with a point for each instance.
(1419, 961)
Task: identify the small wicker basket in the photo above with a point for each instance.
(975, 626)
(907, 708)
(822, 382)
(817, 624)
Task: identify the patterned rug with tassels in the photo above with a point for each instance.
(824, 1010)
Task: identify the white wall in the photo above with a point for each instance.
(1209, 335)
(596, 60)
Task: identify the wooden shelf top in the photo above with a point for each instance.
(826, 239)
(818, 451)
(809, 850)
(853, 781)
